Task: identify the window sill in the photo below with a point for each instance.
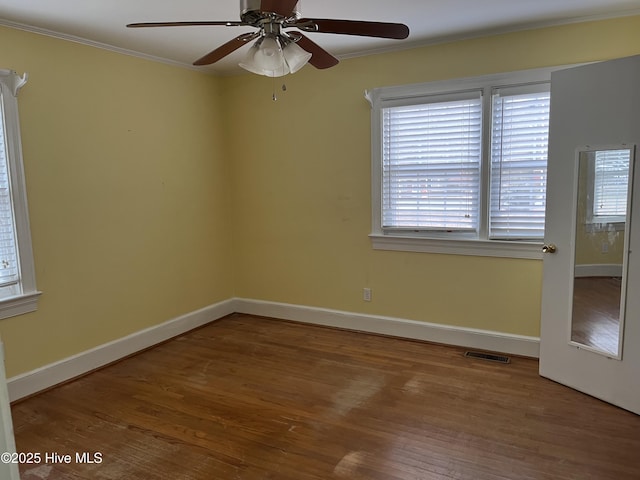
(604, 226)
(478, 248)
(25, 303)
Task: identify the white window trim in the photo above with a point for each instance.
(383, 97)
(27, 300)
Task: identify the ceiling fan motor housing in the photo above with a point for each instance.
(250, 11)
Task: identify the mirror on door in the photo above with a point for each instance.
(601, 239)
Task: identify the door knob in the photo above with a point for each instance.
(550, 248)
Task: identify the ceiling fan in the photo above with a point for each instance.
(278, 51)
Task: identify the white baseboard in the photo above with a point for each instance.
(48, 376)
(45, 377)
(598, 270)
(397, 327)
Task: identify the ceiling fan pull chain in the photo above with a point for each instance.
(274, 97)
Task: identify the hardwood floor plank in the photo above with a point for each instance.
(596, 312)
(253, 398)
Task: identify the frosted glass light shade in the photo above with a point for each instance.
(267, 57)
(295, 56)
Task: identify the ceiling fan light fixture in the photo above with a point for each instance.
(266, 57)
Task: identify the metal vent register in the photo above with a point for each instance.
(492, 357)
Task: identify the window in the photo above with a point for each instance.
(519, 140)
(431, 165)
(460, 166)
(610, 180)
(18, 293)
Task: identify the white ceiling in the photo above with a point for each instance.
(103, 22)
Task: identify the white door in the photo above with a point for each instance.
(590, 327)
(8, 468)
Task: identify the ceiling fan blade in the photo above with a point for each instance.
(224, 50)
(354, 27)
(184, 24)
(281, 7)
(320, 58)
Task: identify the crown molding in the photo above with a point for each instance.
(92, 43)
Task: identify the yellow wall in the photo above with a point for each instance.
(302, 191)
(155, 191)
(128, 195)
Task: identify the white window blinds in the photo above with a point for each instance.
(520, 126)
(431, 164)
(9, 272)
(610, 187)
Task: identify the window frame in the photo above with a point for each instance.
(434, 242)
(469, 134)
(26, 298)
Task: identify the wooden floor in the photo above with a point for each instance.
(251, 398)
(596, 312)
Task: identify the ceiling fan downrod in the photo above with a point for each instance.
(252, 11)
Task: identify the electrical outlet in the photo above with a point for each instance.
(366, 294)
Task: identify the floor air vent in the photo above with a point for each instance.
(488, 356)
